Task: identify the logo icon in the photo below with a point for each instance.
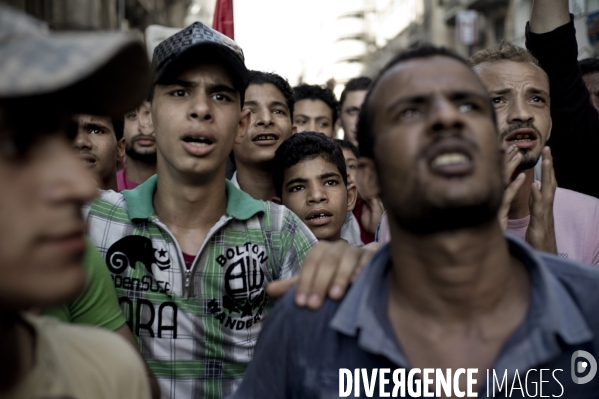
(582, 366)
(131, 249)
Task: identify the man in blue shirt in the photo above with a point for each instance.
(451, 307)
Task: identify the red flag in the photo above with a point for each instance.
(223, 18)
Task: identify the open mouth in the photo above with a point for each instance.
(198, 141)
(450, 158)
(521, 136)
(265, 137)
(87, 159)
(319, 217)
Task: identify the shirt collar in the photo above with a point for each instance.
(140, 201)
(552, 311)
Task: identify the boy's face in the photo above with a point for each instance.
(314, 190)
(97, 146)
(42, 230)
(196, 120)
(313, 116)
(351, 164)
(270, 124)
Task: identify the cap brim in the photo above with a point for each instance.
(94, 73)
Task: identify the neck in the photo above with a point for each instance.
(520, 205)
(110, 182)
(455, 275)
(255, 181)
(17, 347)
(138, 172)
(189, 202)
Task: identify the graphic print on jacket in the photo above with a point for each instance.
(129, 250)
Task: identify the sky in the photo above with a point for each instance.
(287, 37)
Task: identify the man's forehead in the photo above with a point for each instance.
(504, 73)
(209, 72)
(313, 107)
(422, 76)
(268, 90)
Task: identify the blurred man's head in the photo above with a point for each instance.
(138, 132)
(311, 180)
(351, 155)
(520, 93)
(100, 145)
(428, 144)
(352, 98)
(269, 98)
(44, 184)
(197, 102)
(315, 109)
(590, 74)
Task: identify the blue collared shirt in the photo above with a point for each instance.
(299, 352)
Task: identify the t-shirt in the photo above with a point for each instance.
(98, 304)
(576, 218)
(576, 221)
(122, 182)
(198, 326)
(80, 362)
(350, 230)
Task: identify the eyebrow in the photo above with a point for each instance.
(423, 98)
(211, 87)
(535, 90)
(296, 180)
(92, 125)
(324, 176)
(328, 175)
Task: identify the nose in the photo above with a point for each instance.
(200, 107)
(445, 116)
(82, 140)
(519, 111)
(316, 194)
(264, 117)
(312, 126)
(67, 179)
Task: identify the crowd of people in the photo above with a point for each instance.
(189, 228)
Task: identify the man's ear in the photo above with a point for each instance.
(121, 148)
(276, 200)
(352, 197)
(242, 127)
(367, 180)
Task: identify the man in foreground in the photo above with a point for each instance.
(450, 291)
(42, 234)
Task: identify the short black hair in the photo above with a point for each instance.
(355, 84)
(305, 146)
(589, 65)
(118, 124)
(350, 146)
(315, 92)
(364, 126)
(261, 78)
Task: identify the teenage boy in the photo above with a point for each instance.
(191, 254)
(315, 109)
(100, 145)
(351, 100)
(44, 186)
(310, 178)
(269, 98)
(140, 148)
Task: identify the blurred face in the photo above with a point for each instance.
(436, 149)
(591, 81)
(270, 124)
(140, 143)
(97, 146)
(349, 114)
(313, 116)
(42, 230)
(520, 94)
(196, 119)
(351, 163)
(314, 190)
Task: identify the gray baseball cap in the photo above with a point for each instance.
(199, 43)
(95, 73)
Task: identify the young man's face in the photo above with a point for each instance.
(313, 116)
(351, 163)
(436, 149)
(196, 119)
(97, 146)
(314, 190)
(140, 143)
(520, 94)
(270, 124)
(348, 118)
(42, 230)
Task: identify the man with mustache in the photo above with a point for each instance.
(520, 93)
(99, 143)
(140, 148)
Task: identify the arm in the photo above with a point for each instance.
(551, 38)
